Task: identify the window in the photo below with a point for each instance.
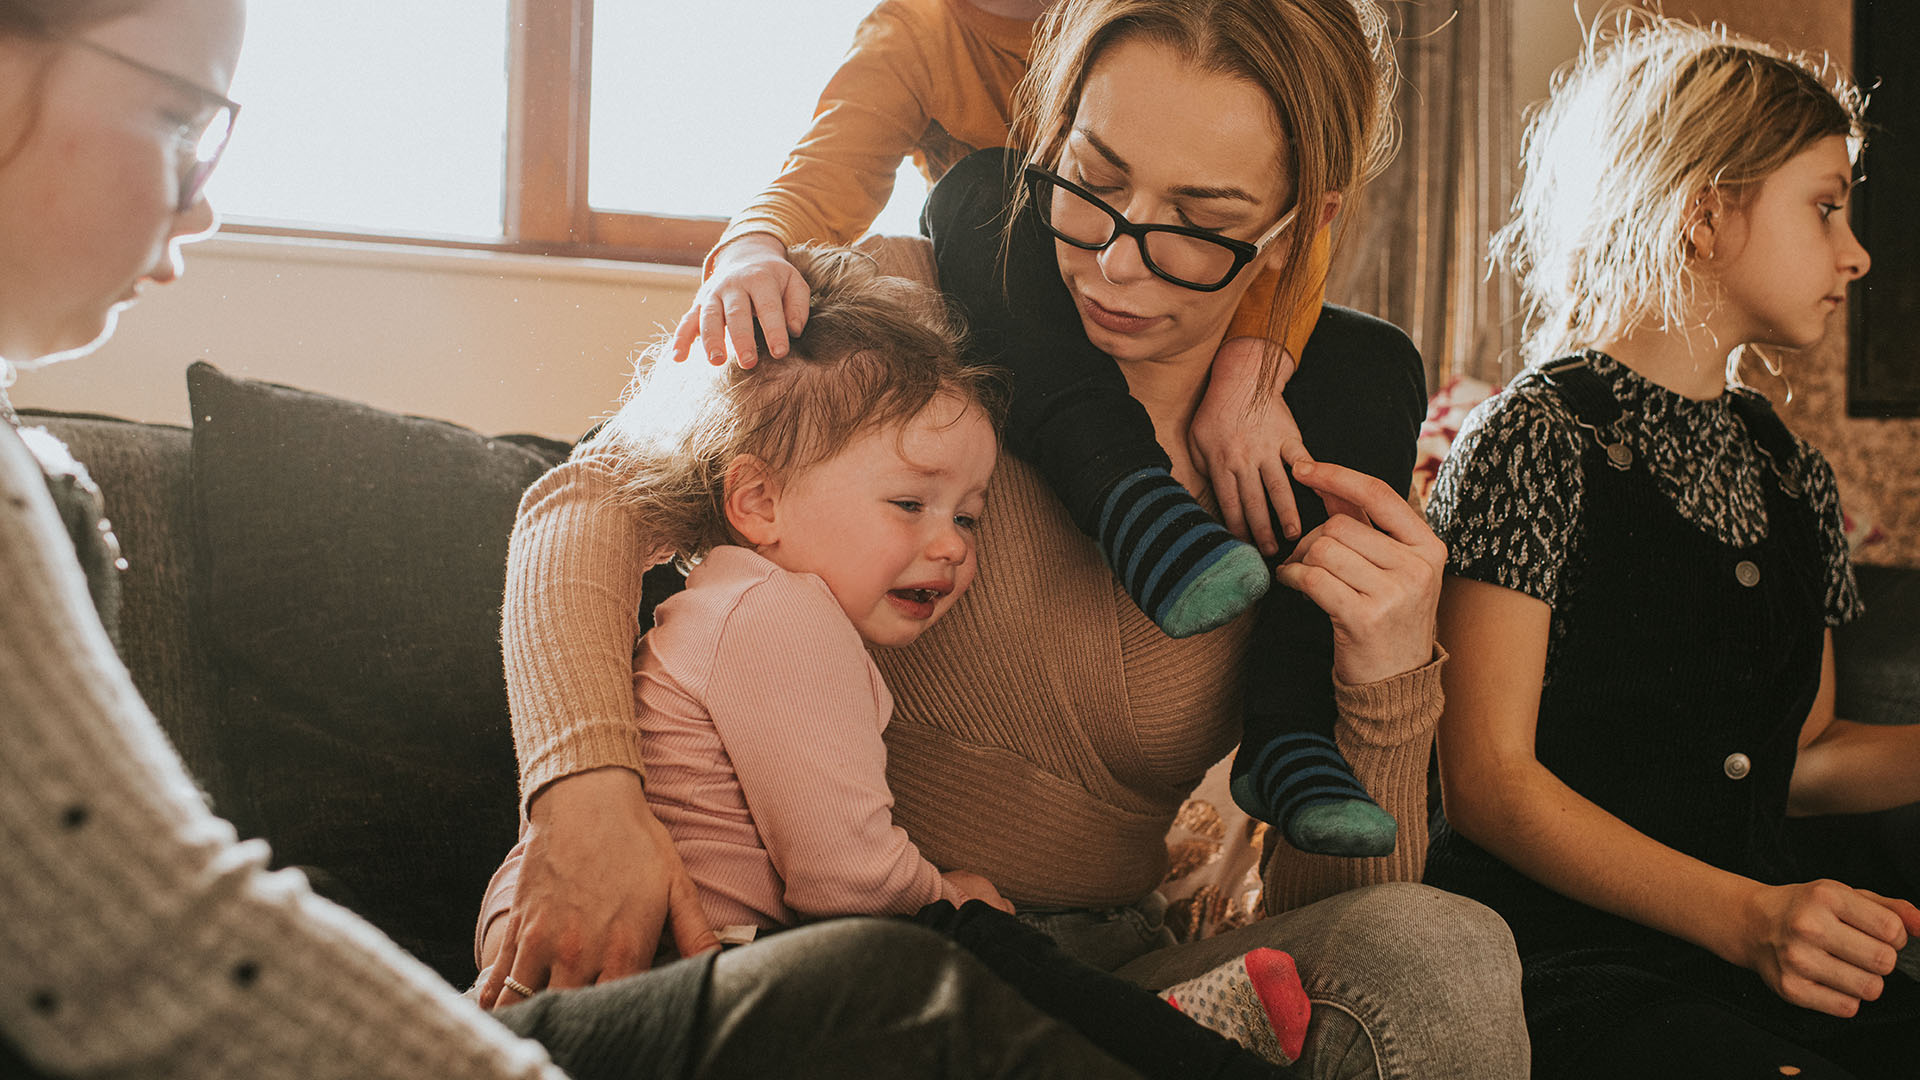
(631, 131)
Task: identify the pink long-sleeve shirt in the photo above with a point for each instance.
(760, 714)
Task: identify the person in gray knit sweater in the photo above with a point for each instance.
(141, 937)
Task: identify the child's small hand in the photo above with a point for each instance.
(1823, 945)
(1244, 440)
(752, 281)
(975, 887)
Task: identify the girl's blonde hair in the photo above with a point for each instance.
(1654, 116)
(1326, 65)
(877, 350)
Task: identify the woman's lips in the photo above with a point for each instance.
(1116, 322)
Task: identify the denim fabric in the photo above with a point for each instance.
(871, 998)
(1106, 938)
(877, 998)
(1407, 982)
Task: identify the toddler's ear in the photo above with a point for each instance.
(752, 500)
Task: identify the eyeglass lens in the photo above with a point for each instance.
(1188, 260)
(200, 151)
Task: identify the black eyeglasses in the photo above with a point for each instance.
(201, 140)
(1188, 257)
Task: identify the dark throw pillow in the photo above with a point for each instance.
(349, 577)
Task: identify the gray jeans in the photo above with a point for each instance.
(850, 998)
(1407, 982)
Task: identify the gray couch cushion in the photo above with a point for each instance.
(351, 568)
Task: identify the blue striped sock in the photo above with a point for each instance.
(1301, 782)
(1184, 570)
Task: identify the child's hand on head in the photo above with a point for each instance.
(1244, 439)
(975, 887)
(752, 281)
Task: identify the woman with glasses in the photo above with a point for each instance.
(1045, 733)
(139, 937)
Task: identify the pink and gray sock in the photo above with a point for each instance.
(1255, 1000)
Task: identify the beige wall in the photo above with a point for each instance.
(1546, 34)
(501, 343)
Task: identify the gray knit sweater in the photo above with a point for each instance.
(138, 935)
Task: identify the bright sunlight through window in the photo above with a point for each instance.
(695, 105)
(385, 116)
(371, 115)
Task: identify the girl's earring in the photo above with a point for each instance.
(1700, 239)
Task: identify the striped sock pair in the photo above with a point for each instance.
(1301, 782)
(1185, 571)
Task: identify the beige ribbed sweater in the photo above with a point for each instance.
(1044, 733)
(138, 936)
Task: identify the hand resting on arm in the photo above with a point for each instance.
(599, 880)
(1244, 439)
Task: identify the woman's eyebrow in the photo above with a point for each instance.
(1105, 151)
(1191, 191)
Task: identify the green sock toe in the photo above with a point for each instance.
(1354, 828)
(1235, 581)
(1246, 795)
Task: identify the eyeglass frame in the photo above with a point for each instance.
(1242, 251)
(193, 180)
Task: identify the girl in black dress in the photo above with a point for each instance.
(1644, 569)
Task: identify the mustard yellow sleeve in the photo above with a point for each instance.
(870, 116)
(1254, 315)
(925, 78)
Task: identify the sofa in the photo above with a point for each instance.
(311, 607)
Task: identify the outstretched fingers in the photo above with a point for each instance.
(685, 334)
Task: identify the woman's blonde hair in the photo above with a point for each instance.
(877, 350)
(1651, 119)
(1326, 65)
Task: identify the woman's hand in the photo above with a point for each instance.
(1823, 945)
(752, 281)
(599, 878)
(975, 887)
(1374, 567)
(1243, 438)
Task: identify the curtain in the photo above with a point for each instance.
(1413, 249)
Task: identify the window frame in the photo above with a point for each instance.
(546, 210)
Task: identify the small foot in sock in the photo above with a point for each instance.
(1185, 571)
(1300, 781)
(1255, 1000)
(1230, 584)
(1356, 828)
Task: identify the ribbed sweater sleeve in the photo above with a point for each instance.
(140, 936)
(1386, 731)
(568, 623)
